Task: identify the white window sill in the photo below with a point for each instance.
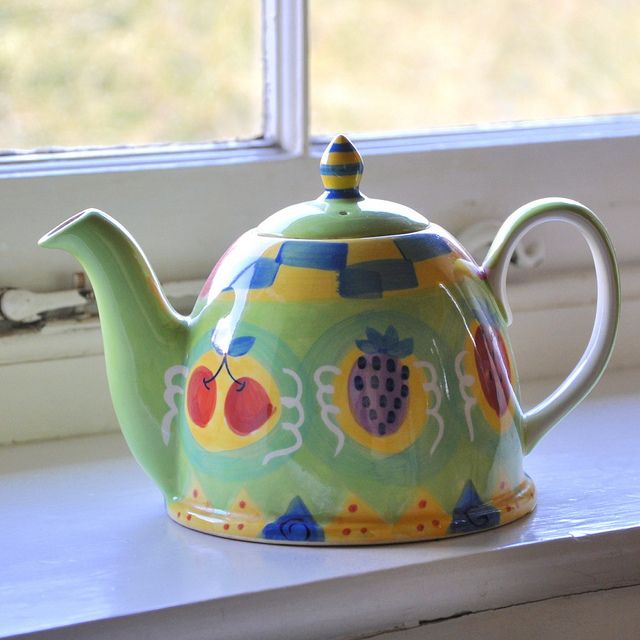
(87, 552)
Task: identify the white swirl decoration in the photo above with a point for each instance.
(465, 381)
(295, 403)
(171, 390)
(433, 410)
(328, 409)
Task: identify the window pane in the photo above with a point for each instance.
(96, 72)
(418, 64)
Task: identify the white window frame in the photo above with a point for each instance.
(186, 203)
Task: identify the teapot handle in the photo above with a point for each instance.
(538, 420)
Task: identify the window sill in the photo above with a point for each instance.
(87, 552)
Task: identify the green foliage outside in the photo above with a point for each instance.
(379, 65)
(96, 72)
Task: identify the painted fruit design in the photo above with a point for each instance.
(492, 364)
(201, 397)
(379, 382)
(486, 360)
(228, 382)
(247, 406)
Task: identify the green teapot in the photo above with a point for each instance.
(345, 376)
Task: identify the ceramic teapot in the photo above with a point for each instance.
(345, 376)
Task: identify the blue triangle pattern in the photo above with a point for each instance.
(471, 514)
(295, 525)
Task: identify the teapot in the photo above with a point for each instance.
(345, 376)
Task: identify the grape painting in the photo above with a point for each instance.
(378, 382)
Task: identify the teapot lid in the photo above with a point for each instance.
(342, 211)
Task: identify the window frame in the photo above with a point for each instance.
(186, 203)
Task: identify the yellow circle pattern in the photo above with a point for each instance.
(502, 422)
(216, 435)
(415, 419)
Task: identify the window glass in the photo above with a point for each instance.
(378, 66)
(92, 72)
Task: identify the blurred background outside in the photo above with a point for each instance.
(76, 73)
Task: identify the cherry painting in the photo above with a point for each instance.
(247, 405)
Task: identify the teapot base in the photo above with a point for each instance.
(419, 524)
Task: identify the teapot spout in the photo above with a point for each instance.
(143, 335)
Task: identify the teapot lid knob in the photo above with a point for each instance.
(342, 211)
(341, 170)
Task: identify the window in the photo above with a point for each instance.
(186, 204)
(85, 74)
(427, 65)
